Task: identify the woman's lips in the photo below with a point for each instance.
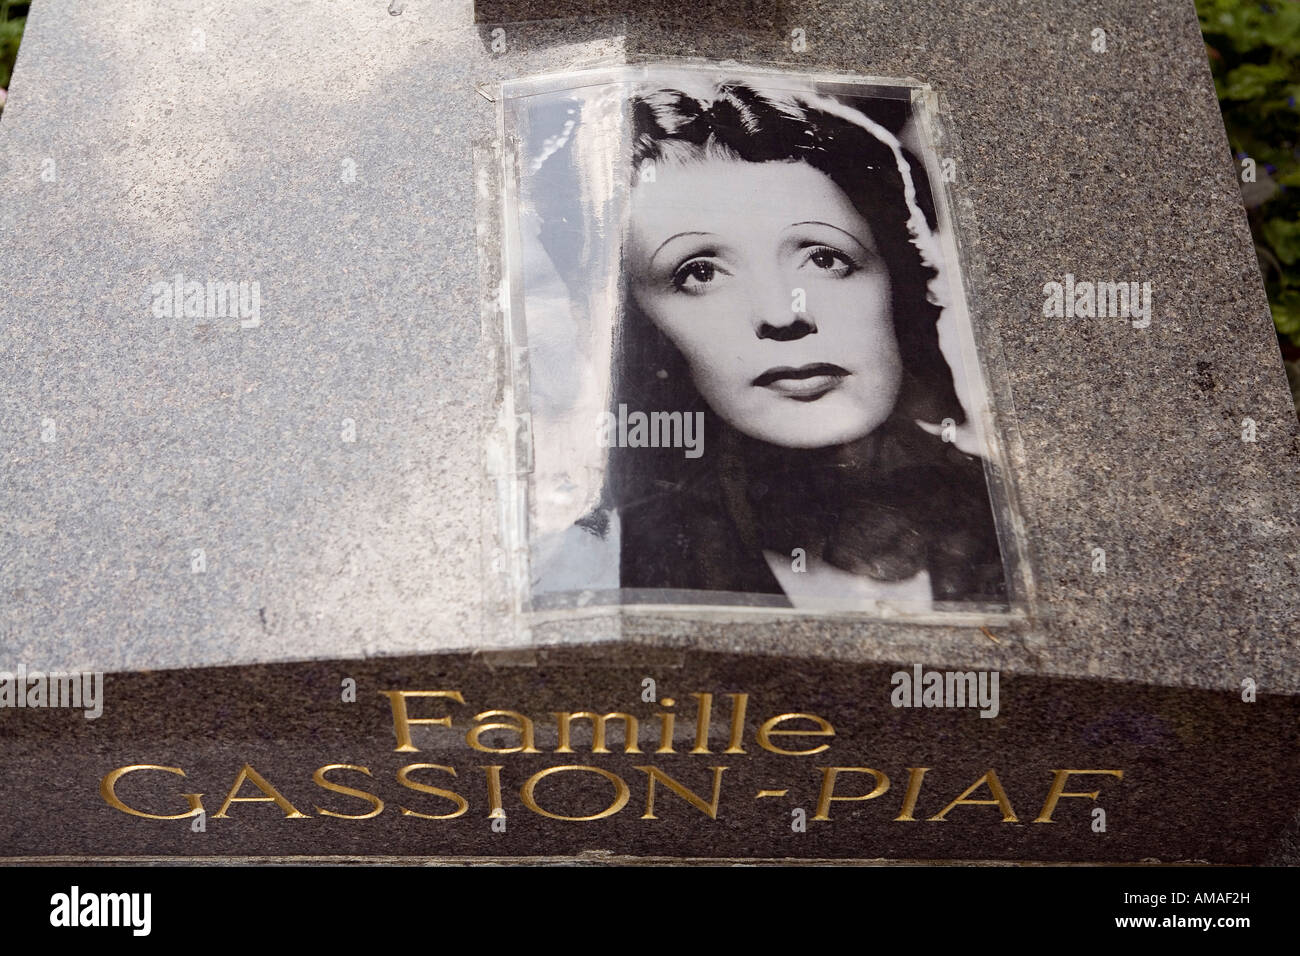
(806, 383)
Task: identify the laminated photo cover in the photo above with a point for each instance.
(744, 370)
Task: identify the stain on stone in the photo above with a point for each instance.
(1203, 377)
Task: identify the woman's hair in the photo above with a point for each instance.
(896, 503)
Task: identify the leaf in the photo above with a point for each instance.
(1286, 315)
(1251, 80)
(1284, 237)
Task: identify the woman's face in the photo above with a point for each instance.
(767, 279)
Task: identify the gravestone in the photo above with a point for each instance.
(285, 525)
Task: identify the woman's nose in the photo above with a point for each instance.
(782, 315)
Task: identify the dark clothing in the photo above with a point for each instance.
(887, 506)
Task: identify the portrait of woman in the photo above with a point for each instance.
(772, 316)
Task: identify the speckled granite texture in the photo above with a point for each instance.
(1193, 786)
(167, 137)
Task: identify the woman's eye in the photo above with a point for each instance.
(692, 275)
(831, 260)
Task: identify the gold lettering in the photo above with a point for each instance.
(999, 799)
(598, 721)
(107, 790)
(739, 703)
(402, 722)
(828, 786)
(374, 801)
(666, 722)
(272, 795)
(768, 730)
(702, 723)
(710, 809)
(1054, 795)
(914, 775)
(494, 792)
(621, 792)
(403, 777)
(524, 728)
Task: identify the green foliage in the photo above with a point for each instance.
(1254, 51)
(13, 17)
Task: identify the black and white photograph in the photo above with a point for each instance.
(750, 377)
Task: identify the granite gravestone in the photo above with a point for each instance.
(274, 522)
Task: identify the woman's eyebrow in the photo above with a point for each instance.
(818, 222)
(671, 238)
